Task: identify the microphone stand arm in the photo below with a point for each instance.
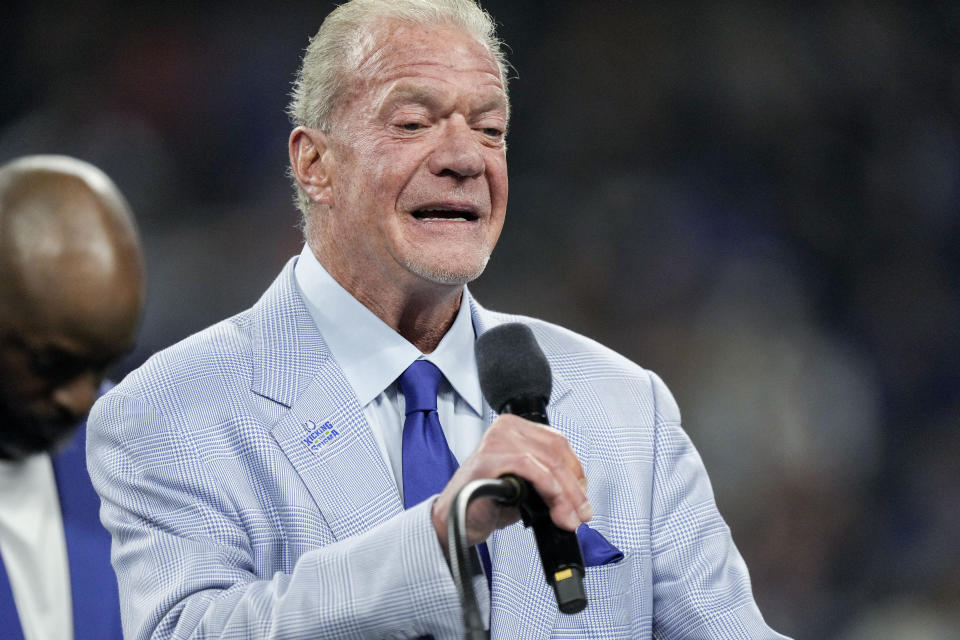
(463, 557)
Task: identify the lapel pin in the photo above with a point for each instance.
(318, 436)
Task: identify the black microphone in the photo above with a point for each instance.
(515, 378)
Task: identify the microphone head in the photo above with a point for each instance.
(512, 366)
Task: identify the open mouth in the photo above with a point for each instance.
(435, 214)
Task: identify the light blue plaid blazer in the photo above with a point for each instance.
(247, 498)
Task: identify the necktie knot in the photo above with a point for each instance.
(419, 384)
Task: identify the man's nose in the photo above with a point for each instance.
(76, 395)
(458, 152)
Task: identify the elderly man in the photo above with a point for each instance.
(71, 293)
(261, 478)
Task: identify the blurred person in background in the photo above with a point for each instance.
(254, 475)
(71, 295)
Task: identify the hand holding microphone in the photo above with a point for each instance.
(516, 380)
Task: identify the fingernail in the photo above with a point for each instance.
(585, 511)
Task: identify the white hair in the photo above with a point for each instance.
(334, 51)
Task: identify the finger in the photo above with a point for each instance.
(573, 488)
(552, 442)
(552, 449)
(556, 485)
(535, 452)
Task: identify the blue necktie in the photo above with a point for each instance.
(428, 463)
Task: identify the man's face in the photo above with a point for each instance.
(52, 362)
(33, 375)
(417, 161)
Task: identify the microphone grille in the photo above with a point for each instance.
(511, 365)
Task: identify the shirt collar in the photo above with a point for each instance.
(370, 353)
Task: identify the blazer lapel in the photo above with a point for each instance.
(324, 433)
(329, 442)
(288, 350)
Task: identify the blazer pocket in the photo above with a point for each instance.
(608, 603)
(608, 581)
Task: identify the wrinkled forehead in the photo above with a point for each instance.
(404, 41)
(389, 49)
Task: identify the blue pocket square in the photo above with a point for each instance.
(595, 548)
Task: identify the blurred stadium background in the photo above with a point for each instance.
(760, 201)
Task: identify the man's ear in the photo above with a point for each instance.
(310, 161)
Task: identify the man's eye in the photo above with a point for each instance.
(58, 366)
(411, 126)
(492, 132)
(44, 364)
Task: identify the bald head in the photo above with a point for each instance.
(71, 294)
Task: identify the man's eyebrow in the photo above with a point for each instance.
(496, 102)
(414, 94)
(435, 100)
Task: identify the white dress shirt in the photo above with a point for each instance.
(372, 356)
(34, 548)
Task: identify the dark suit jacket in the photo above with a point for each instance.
(93, 584)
